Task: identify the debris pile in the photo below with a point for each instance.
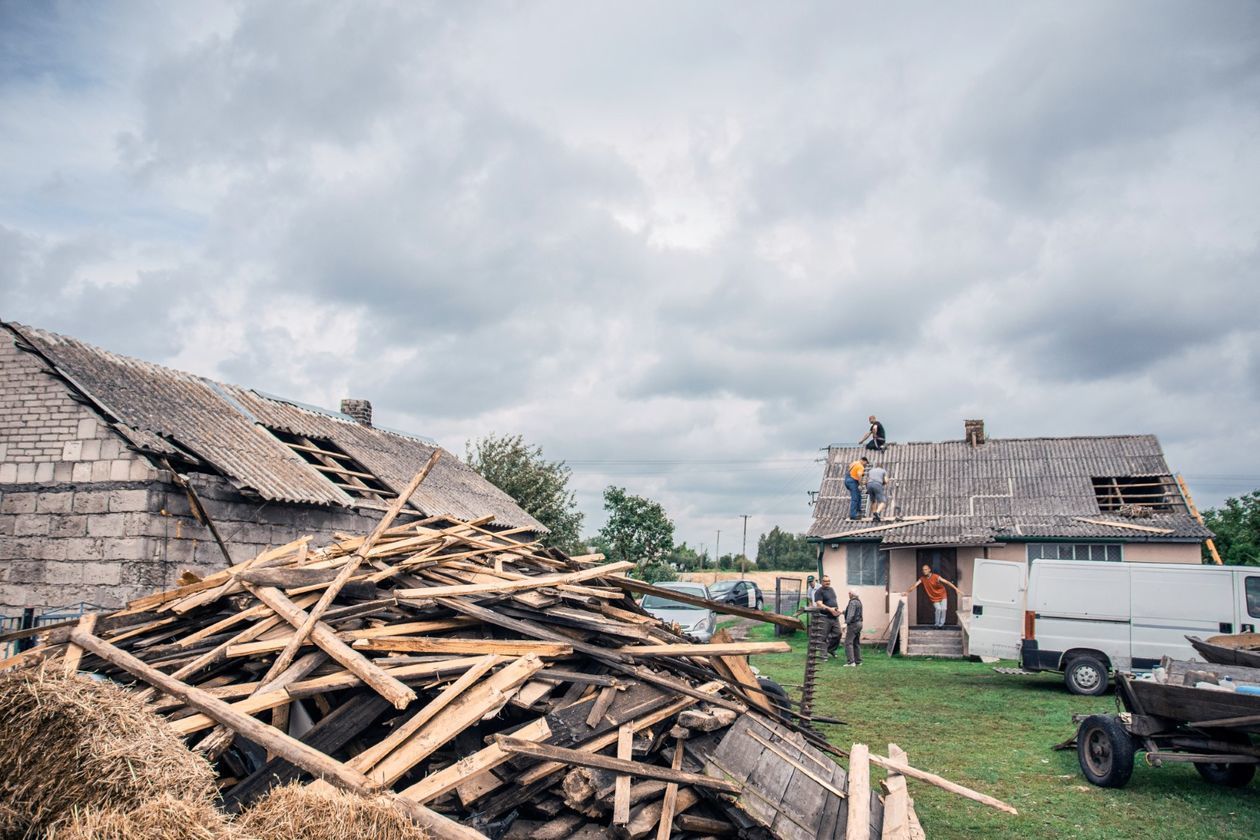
(478, 684)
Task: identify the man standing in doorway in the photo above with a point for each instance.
(853, 483)
(853, 631)
(876, 435)
(934, 587)
(828, 611)
(876, 487)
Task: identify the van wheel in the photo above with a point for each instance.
(1229, 775)
(1086, 675)
(1105, 751)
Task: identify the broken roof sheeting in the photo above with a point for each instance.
(1003, 489)
(155, 406)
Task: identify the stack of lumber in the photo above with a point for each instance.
(482, 684)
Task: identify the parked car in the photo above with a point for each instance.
(741, 593)
(1089, 618)
(698, 622)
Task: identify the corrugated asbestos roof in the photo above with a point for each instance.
(162, 410)
(1001, 490)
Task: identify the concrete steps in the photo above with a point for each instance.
(943, 643)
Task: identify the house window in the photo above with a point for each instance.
(867, 565)
(336, 465)
(1104, 552)
(1153, 492)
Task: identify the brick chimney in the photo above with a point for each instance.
(973, 431)
(360, 410)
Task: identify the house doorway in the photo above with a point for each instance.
(944, 561)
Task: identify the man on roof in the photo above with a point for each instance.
(934, 587)
(876, 435)
(853, 483)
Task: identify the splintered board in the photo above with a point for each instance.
(790, 788)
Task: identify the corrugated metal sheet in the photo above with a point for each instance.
(1002, 489)
(157, 406)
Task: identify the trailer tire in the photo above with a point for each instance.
(1086, 675)
(1104, 749)
(1228, 775)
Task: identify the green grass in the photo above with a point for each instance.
(994, 733)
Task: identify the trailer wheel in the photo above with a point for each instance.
(1086, 675)
(1229, 775)
(1105, 751)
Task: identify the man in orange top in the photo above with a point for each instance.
(853, 483)
(934, 587)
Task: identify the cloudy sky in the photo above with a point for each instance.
(682, 246)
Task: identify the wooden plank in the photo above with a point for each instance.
(600, 707)
(482, 761)
(896, 801)
(351, 566)
(1129, 525)
(74, 653)
(737, 669)
(858, 826)
(603, 762)
(464, 647)
(647, 816)
(621, 791)
(942, 783)
(324, 636)
(666, 825)
(641, 588)
(729, 649)
(909, 520)
(705, 826)
(509, 586)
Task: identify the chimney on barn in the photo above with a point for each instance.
(973, 431)
(359, 410)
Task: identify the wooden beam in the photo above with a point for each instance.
(858, 825)
(581, 758)
(507, 586)
(74, 653)
(728, 649)
(484, 760)
(1129, 525)
(666, 827)
(942, 783)
(621, 790)
(896, 804)
(290, 749)
(641, 588)
(351, 566)
(909, 520)
(1185, 494)
(465, 647)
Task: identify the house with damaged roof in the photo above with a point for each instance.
(105, 460)
(1106, 499)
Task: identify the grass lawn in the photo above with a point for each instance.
(993, 733)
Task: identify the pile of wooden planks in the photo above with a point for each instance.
(490, 686)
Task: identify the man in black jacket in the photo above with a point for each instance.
(828, 611)
(853, 631)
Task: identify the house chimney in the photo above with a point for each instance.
(973, 431)
(360, 410)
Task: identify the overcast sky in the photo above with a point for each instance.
(682, 246)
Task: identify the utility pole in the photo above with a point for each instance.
(717, 554)
(743, 554)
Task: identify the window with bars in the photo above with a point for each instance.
(1103, 552)
(336, 465)
(867, 565)
(1154, 492)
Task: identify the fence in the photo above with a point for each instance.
(31, 618)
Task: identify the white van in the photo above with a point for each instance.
(1086, 618)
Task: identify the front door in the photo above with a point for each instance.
(944, 561)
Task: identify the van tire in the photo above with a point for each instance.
(1228, 775)
(1104, 749)
(1086, 675)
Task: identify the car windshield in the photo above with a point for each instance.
(660, 602)
(722, 587)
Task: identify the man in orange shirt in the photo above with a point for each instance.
(853, 483)
(934, 587)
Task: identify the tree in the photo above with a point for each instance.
(784, 551)
(637, 528)
(686, 558)
(539, 486)
(1237, 529)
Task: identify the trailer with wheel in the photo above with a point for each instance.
(1174, 722)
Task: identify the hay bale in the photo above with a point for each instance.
(295, 812)
(73, 742)
(161, 818)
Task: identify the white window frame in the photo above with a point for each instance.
(1084, 551)
(869, 561)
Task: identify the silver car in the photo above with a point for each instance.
(697, 622)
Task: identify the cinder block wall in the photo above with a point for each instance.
(85, 519)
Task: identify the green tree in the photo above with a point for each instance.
(637, 529)
(686, 558)
(784, 551)
(539, 486)
(1237, 529)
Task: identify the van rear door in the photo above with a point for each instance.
(997, 608)
(1247, 587)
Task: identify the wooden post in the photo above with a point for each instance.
(896, 804)
(858, 826)
(74, 653)
(621, 791)
(666, 829)
(1185, 494)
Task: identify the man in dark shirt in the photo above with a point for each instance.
(876, 434)
(853, 630)
(829, 612)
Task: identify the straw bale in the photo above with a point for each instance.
(68, 742)
(161, 818)
(295, 812)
